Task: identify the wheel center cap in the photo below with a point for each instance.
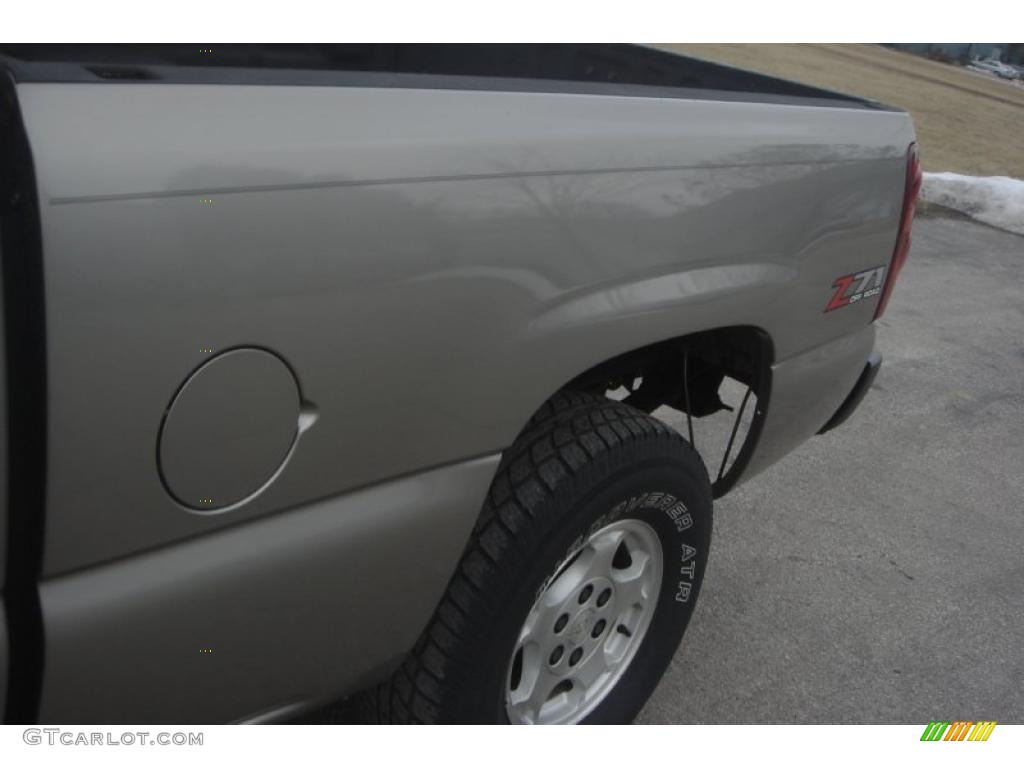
(581, 627)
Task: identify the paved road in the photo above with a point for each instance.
(877, 574)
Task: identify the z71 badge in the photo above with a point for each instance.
(853, 288)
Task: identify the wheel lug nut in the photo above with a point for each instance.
(598, 628)
(585, 594)
(575, 657)
(604, 597)
(556, 656)
(561, 621)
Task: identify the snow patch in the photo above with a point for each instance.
(995, 200)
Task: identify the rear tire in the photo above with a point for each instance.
(584, 471)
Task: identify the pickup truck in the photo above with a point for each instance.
(329, 370)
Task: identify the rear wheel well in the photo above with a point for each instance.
(686, 373)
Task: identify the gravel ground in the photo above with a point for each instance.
(876, 575)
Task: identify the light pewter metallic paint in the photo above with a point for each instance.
(450, 278)
(432, 265)
(292, 608)
(230, 429)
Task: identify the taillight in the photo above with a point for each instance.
(899, 253)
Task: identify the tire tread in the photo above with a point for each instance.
(568, 433)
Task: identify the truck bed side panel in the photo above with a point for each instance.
(441, 260)
(432, 265)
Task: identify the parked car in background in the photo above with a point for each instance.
(994, 67)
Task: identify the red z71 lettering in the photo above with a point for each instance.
(865, 284)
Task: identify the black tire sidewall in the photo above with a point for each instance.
(668, 490)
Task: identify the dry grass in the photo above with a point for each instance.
(966, 122)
